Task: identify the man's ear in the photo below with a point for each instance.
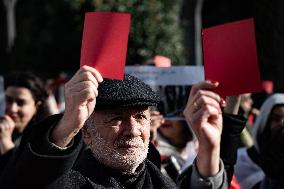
(86, 135)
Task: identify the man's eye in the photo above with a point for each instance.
(141, 116)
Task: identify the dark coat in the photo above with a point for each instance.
(230, 139)
(16, 138)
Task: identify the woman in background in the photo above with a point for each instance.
(25, 96)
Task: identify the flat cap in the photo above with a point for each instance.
(125, 93)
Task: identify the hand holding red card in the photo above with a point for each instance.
(104, 43)
(230, 57)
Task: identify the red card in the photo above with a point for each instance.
(104, 43)
(230, 57)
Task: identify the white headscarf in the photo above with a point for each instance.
(265, 110)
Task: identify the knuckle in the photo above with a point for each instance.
(87, 76)
(203, 99)
(199, 92)
(207, 107)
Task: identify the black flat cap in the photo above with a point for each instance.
(125, 93)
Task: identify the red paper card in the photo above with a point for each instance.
(230, 57)
(104, 43)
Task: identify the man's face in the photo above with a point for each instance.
(119, 137)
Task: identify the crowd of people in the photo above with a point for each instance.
(111, 134)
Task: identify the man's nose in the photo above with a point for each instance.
(132, 128)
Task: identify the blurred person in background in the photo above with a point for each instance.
(25, 97)
(176, 144)
(246, 110)
(259, 98)
(157, 119)
(262, 165)
(245, 104)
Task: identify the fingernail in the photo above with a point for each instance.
(100, 79)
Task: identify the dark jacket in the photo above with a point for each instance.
(16, 138)
(230, 139)
(39, 164)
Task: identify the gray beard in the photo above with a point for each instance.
(123, 160)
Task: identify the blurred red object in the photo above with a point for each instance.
(235, 184)
(267, 86)
(162, 61)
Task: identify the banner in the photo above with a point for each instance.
(173, 84)
(174, 75)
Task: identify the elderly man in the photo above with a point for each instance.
(114, 118)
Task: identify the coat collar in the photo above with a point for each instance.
(88, 166)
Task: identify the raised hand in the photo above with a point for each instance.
(203, 113)
(80, 100)
(7, 126)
